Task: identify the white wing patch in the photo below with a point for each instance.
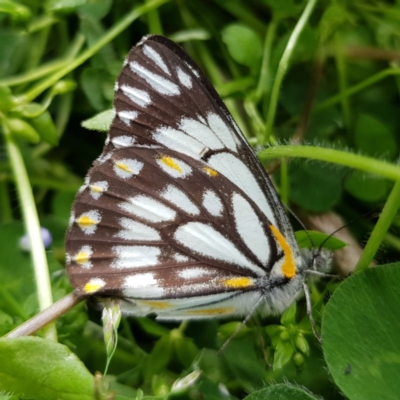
(219, 127)
(97, 189)
(249, 228)
(205, 240)
(148, 208)
(135, 256)
(127, 167)
(157, 82)
(240, 175)
(176, 140)
(123, 141)
(139, 97)
(134, 230)
(88, 221)
(193, 273)
(127, 117)
(212, 203)
(153, 55)
(180, 200)
(83, 257)
(184, 78)
(174, 167)
(142, 286)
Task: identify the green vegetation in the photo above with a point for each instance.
(314, 85)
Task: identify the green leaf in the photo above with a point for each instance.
(35, 368)
(281, 392)
(315, 186)
(100, 122)
(289, 316)
(44, 125)
(360, 333)
(21, 128)
(159, 357)
(64, 6)
(6, 99)
(374, 137)
(17, 11)
(93, 81)
(283, 354)
(332, 19)
(314, 239)
(366, 187)
(243, 44)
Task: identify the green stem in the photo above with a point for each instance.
(363, 163)
(265, 73)
(342, 78)
(107, 38)
(284, 65)
(380, 229)
(32, 227)
(357, 88)
(5, 203)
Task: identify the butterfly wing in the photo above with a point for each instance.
(177, 206)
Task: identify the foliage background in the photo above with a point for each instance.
(335, 90)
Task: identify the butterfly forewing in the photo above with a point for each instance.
(177, 206)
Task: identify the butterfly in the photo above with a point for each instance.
(177, 216)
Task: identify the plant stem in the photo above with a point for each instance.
(107, 38)
(357, 88)
(343, 158)
(380, 229)
(284, 65)
(32, 226)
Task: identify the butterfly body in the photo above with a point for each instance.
(177, 216)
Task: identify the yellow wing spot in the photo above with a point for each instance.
(86, 221)
(288, 265)
(238, 283)
(210, 171)
(212, 311)
(82, 257)
(96, 189)
(123, 166)
(93, 285)
(169, 162)
(156, 304)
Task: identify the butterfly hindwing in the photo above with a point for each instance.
(177, 206)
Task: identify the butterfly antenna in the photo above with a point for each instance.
(301, 223)
(342, 227)
(243, 323)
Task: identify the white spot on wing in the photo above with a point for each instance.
(83, 257)
(153, 55)
(127, 167)
(88, 221)
(142, 286)
(193, 273)
(205, 240)
(135, 256)
(123, 141)
(179, 141)
(180, 257)
(193, 70)
(97, 189)
(127, 116)
(180, 200)
(184, 78)
(212, 203)
(157, 82)
(224, 133)
(239, 174)
(139, 97)
(148, 208)
(250, 229)
(174, 167)
(201, 133)
(134, 230)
